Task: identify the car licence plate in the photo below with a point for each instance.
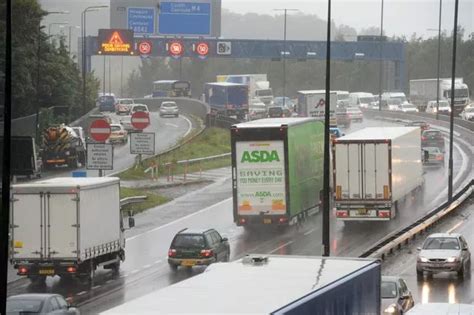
(267, 221)
(188, 263)
(361, 211)
(48, 272)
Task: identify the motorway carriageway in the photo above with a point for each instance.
(146, 269)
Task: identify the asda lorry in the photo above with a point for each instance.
(258, 284)
(277, 170)
(374, 168)
(67, 227)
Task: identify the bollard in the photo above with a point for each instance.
(200, 170)
(185, 170)
(169, 172)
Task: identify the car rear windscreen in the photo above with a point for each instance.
(189, 241)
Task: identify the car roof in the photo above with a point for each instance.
(390, 278)
(194, 231)
(444, 235)
(32, 296)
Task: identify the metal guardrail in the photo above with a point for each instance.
(131, 200)
(395, 240)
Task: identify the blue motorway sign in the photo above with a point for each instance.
(184, 18)
(141, 20)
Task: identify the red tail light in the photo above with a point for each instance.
(22, 271)
(242, 221)
(207, 253)
(439, 157)
(172, 253)
(384, 213)
(282, 220)
(342, 214)
(423, 138)
(71, 269)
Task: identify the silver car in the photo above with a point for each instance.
(169, 109)
(396, 297)
(444, 252)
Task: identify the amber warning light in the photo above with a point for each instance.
(115, 42)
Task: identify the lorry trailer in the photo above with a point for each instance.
(258, 284)
(277, 170)
(374, 168)
(227, 99)
(65, 227)
(312, 103)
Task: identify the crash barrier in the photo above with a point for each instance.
(221, 121)
(183, 168)
(428, 117)
(404, 235)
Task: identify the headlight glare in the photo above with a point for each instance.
(391, 309)
(423, 259)
(451, 259)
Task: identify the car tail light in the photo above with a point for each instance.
(172, 252)
(439, 157)
(243, 221)
(282, 220)
(384, 213)
(342, 213)
(71, 269)
(22, 271)
(423, 138)
(207, 253)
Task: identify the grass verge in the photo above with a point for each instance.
(212, 141)
(152, 200)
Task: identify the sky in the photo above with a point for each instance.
(401, 17)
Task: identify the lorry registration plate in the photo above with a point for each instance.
(46, 272)
(361, 211)
(188, 263)
(267, 221)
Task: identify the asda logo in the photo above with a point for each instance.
(260, 156)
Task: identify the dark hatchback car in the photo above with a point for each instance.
(432, 138)
(198, 247)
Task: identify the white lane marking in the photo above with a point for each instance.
(158, 261)
(181, 219)
(190, 126)
(108, 281)
(280, 247)
(455, 227)
(96, 287)
(81, 293)
(124, 275)
(309, 232)
(172, 125)
(134, 271)
(146, 266)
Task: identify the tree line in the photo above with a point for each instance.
(43, 73)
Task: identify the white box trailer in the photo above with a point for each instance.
(373, 169)
(273, 284)
(311, 103)
(66, 226)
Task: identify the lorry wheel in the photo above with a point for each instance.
(226, 257)
(419, 274)
(74, 164)
(116, 268)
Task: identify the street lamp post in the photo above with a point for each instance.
(55, 23)
(381, 60)
(285, 10)
(83, 34)
(439, 58)
(451, 118)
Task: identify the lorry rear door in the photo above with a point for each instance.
(348, 171)
(44, 225)
(62, 222)
(376, 171)
(27, 226)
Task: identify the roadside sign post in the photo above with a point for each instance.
(141, 143)
(100, 155)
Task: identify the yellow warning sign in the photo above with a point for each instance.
(115, 42)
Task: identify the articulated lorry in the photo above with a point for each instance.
(425, 90)
(258, 284)
(374, 168)
(277, 170)
(227, 99)
(67, 227)
(258, 84)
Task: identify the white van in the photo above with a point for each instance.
(361, 99)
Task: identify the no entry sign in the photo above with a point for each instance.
(100, 130)
(140, 120)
